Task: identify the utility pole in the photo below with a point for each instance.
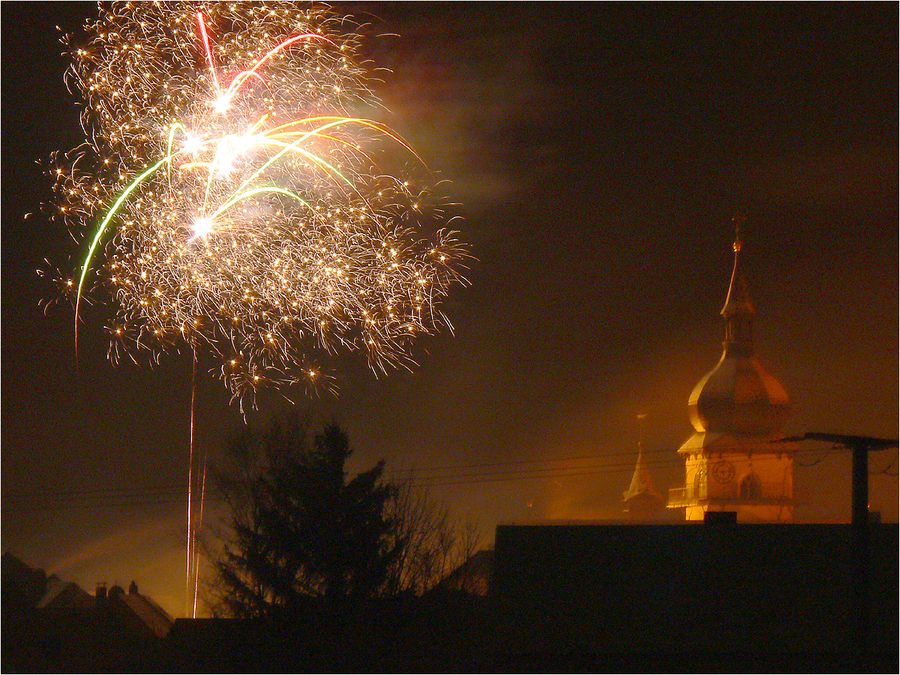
(861, 447)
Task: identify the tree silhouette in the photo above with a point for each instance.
(299, 526)
(433, 542)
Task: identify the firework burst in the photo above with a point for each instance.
(229, 199)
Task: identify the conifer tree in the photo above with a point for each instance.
(299, 525)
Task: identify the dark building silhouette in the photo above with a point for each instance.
(22, 587)
(472, 577)
(676, 589)
(64, 628)
(64, 595)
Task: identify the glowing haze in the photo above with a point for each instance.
(228, 199)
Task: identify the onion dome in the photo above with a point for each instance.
(738, 397)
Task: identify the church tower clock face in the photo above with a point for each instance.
(723, 471)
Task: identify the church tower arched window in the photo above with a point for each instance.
(751, 487)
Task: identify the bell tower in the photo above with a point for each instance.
(736, 409)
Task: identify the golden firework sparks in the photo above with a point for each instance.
(228, 199)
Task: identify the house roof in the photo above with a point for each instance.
(154, 617)
(64, 595)
(472, 576)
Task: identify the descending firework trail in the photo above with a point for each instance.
(190, 481)
(232, 198)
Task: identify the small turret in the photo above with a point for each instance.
(641, 497)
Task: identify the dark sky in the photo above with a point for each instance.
(599, 153)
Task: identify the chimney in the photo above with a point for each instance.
(100, 593)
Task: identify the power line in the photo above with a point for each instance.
(122, 498)
(416, 473)
(174, 493)
(818, 460)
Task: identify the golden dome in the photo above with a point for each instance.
(739, 396)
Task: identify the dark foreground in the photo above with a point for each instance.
(446, 635)
(796, 598)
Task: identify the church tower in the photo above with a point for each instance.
(641, 500)
(736, 409)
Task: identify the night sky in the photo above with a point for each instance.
(599, 153)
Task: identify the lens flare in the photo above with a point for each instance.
(235, 197)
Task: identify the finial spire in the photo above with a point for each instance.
(738, 310)
(640, 418)
(739, 219)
